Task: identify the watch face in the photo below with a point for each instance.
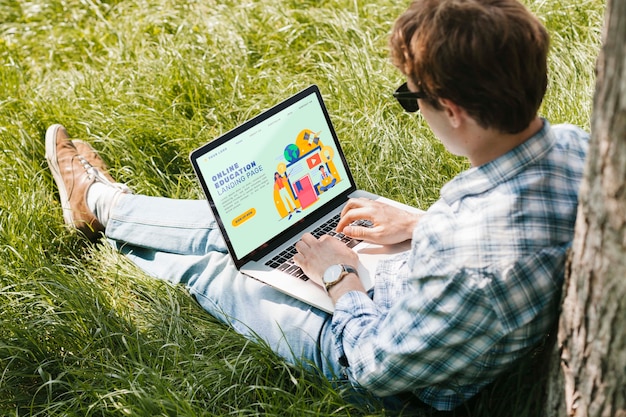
(332, 273)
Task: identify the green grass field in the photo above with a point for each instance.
(85, 333)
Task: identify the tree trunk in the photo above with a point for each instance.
(590, 377)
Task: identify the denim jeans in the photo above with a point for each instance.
(179, 241)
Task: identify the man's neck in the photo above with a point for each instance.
(492, 144)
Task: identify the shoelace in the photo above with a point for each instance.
(94, 173)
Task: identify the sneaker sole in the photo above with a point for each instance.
(51, 157)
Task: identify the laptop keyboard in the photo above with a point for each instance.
(284, 260)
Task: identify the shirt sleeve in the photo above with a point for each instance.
(444, 329)
(424, 339)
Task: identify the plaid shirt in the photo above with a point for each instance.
(479, 287)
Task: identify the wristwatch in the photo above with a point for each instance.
(335, 273)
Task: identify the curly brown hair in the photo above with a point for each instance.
(487, 56)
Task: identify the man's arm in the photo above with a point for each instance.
(430, 334)
(450, 332)
(419, 343)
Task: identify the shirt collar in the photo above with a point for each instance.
(480, 179)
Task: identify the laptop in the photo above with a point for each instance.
(275, 177)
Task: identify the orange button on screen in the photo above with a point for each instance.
(242, 218)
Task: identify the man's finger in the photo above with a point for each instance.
(357, 232)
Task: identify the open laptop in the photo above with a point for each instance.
(276, 176)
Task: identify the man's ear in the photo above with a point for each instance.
(454, 112)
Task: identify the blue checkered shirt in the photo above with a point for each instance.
(479, 287)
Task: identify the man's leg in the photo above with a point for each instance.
(179, 241)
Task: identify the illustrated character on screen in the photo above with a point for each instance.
(280, 185)
(327, 181)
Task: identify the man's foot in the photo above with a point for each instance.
(74, 172)
(89, 153)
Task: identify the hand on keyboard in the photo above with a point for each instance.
(284, 260)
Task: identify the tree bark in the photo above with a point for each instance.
(590, 377)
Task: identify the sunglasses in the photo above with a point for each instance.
(408, 98)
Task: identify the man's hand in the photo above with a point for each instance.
(316, 255)
(390, 224)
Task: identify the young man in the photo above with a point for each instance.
(479, 286)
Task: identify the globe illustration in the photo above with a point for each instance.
(292, 152)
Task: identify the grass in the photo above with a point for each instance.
(82, 331)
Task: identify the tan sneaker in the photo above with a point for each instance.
(74, 173)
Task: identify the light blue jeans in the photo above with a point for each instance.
(179, 241)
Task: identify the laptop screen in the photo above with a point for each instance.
(274, 175)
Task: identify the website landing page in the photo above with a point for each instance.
(271, 175)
